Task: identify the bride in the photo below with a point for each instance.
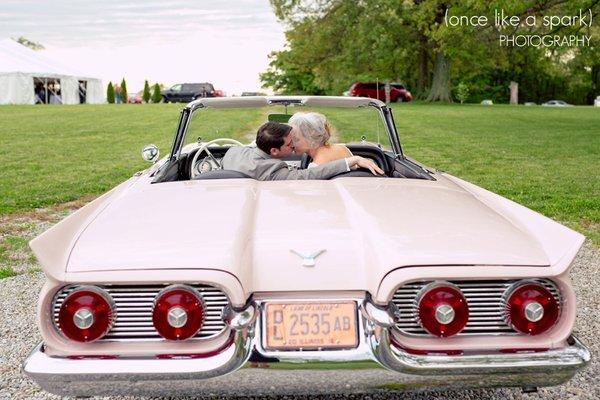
(311, 133)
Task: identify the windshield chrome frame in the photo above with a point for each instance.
(260, 101)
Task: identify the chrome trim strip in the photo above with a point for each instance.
(393, 135)
(153, 376)
(570, 358)
(56, 373)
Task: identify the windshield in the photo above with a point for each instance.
(350, 125)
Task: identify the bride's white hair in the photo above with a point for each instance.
(312, 126)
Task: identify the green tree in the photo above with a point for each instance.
(110, 93)
(586, 64)
(286, 77)
(342, 41)
(156, 97)
(123, 91)
(462, 92)
(332, 43)
(146, 94)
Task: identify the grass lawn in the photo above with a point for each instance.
(55, 154)
(547, 159)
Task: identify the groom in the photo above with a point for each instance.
(273, 143)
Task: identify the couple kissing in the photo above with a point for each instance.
(307, 132)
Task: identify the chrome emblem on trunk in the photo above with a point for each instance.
(308, 260)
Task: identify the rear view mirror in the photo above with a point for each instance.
(150, 153)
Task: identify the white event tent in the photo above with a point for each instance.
(27, 77)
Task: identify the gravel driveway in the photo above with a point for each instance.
(18, 332)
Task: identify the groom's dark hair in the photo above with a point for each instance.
(271, 135)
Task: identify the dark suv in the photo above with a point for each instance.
(369, 89)
(185, 92)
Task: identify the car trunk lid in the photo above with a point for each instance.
(265, 232)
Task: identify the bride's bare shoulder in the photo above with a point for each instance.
(341, 150)
(331, 153)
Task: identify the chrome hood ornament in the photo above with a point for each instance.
(308, 260)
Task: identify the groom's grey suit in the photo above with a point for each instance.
(257, 164)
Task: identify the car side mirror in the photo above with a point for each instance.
(150, 153)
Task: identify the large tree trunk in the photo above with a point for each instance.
(423, 77)
(514, 92)
(440, 87)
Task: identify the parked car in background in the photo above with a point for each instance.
(556, 103)
(398, 92)
(244, 94)
(187, 272)
(185, 92)
(134, 98)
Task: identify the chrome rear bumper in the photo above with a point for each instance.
(375, 364)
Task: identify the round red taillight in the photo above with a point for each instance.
(531, 308)
(178, 312)
(86, 314)
(442, 309)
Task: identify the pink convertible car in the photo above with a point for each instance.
(191, 279)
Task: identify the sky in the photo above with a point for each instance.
(166, 41)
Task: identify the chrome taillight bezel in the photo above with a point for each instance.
(507, 306)
(157, 320)
(460, 315)
(91, 289)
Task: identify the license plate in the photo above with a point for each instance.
(311, 326)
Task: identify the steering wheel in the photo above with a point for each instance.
(215, 164)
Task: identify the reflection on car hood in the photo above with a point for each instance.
(366, 227)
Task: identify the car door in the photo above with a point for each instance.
(381, 91)
(175, 93)
(187, 92)
(376, 91)
(371, 89)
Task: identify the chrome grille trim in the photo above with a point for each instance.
(134, 310)
(486, 307)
